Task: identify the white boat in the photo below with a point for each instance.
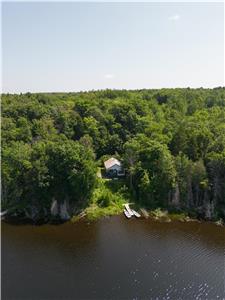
(126, 213)
(136, 214)
(130, 211)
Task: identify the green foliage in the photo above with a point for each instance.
(171, 142)
(34, 175)
(108, 198)
(156, 174)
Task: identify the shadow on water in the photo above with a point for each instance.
(113, 259)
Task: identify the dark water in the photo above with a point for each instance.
(113, 259)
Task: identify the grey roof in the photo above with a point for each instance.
(111, 162)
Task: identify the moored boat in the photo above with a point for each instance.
(126, 213)
(130, 211)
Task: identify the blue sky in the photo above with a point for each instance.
(84, 46)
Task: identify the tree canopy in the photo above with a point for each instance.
(171, 142)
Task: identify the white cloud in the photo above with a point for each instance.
(174, 18)
(109, 76)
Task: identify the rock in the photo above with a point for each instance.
(144, 213)
(219, 222)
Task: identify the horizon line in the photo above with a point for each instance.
(112, 89)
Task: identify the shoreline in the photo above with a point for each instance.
(91, 214)
(162, 216)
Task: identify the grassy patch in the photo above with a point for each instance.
(107, 200)
(163, 215)
(159, 214)
(94, 212)
(178, 216)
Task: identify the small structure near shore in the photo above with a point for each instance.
(128, 212)
(114, 167)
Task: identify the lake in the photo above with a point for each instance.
(113, 258)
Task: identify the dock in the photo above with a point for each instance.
(130, 212)
(126, 213)
(127, 207)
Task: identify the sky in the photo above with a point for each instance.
(69, 46)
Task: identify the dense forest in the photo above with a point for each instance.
(170, 141)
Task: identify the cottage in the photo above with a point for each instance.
(113, 167)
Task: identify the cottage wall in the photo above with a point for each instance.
(115, 167)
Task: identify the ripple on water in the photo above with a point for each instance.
(114, 259)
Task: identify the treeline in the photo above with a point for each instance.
(171, 142)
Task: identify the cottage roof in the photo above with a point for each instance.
(111, 162)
